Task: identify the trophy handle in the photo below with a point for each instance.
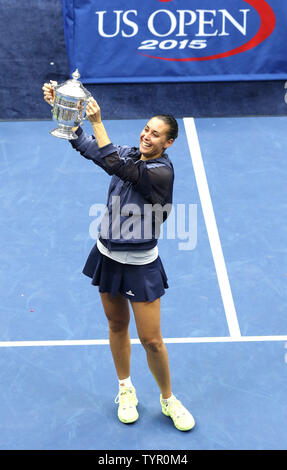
(79, 123)
(80, 111)
(53, 84)
(85, 118)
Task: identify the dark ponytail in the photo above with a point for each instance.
(172, 123)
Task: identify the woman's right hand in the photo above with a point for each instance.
(49, 92)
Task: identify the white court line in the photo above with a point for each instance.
(211, 227)
(101, 342)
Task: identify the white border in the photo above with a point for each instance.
(105, 342)
(211, 226)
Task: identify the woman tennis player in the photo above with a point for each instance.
(126, 265)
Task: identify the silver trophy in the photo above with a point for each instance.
(69, 107)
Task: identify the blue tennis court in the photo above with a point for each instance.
(223, 316)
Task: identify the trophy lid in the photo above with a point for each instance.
(73, 88)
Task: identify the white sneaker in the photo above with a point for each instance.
(127, 400)
(182, 418)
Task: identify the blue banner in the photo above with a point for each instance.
(115, 41)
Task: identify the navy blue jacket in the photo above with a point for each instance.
(139, 196)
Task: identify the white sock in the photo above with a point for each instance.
(167, 400)
(125, 382)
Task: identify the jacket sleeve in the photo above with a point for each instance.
(153, 183)
(82, 142)
(88, 148)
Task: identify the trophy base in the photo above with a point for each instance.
(64, 132)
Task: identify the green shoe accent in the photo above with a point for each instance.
(182, 418)
(127, 400)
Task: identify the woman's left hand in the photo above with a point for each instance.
(93, 111)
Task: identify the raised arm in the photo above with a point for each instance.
(93, 113)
